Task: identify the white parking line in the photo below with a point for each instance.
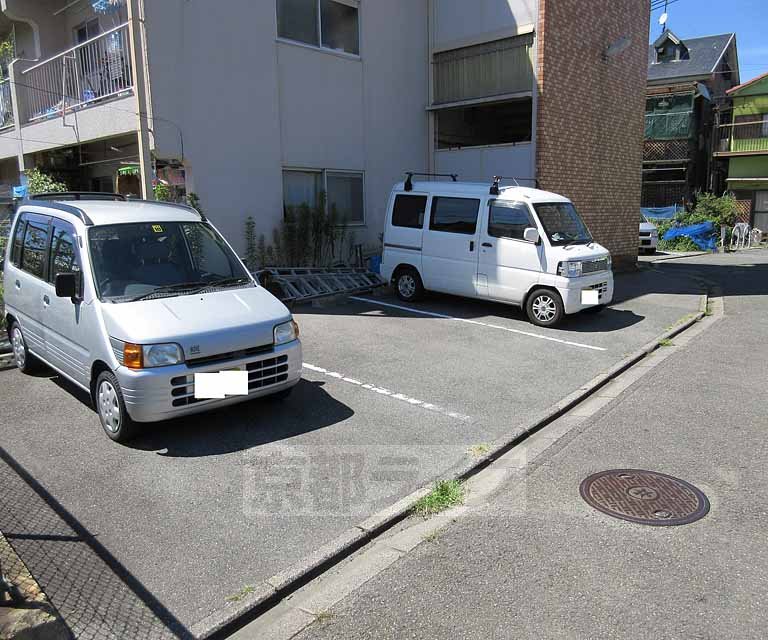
(476, 322)
(390, 394)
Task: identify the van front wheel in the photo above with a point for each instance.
(408, 286)
(545, 308)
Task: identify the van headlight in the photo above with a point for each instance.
(286, 332)
(570, 269)
(149, 356)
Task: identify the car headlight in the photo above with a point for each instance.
(286, 332)
(609, 259)
(570, 269)
(149, 356)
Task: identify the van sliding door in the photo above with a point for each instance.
(449, 255)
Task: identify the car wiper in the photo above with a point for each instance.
(169, 288)
(578, 241)
(228, 282)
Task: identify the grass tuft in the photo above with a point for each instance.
(323, 616)
(666, 342)
(479, 450)
(240, 595)
(444, 495)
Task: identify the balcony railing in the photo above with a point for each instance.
(668, 126)
(6, 107)
(743, 137)
(95, 70)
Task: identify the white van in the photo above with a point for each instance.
(514, 245)
(144, 306)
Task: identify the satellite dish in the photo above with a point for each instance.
(663, 18)
(617, 47)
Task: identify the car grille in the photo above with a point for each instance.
(601, 288)
(593, 266)
(231, 355)
(262, 373)
(645, 234)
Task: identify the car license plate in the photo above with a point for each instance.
(590, 296)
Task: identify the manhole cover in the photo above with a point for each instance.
(644, 497)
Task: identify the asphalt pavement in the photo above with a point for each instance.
(538, 562)
(189, 519)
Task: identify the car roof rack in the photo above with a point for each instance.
(59, 206)
(409, 177)
(495, 187)
(80, 195)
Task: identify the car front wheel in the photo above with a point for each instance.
(110, 406)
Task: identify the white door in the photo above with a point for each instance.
(449, 246)
(65, 338)
(508, 264)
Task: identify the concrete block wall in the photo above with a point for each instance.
(590, 114)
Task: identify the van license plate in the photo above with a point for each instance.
(590, 296)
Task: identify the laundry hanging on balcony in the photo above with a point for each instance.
(107, 6)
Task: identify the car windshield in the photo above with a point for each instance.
(161, 259)
(562, 223)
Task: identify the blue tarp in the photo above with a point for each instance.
(702, 234)
(660, 213)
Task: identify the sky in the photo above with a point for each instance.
(747, 18)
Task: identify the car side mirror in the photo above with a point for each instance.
(531, 235)
(67, 285)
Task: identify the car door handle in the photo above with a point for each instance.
(46, 300)
(488, 244)
(471, 245)
(18, 284)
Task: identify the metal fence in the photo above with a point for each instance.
(97, 69)
(744, 136)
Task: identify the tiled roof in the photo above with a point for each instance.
(704, 54)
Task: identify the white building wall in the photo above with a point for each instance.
(250, 105)
(484, 162)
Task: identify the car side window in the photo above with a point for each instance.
(33, 253)
(18, 241)
(63, 253)
(409, 211)
(508, 220)
(454, 215)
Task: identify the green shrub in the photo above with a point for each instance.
(40, 182)
(720, 210)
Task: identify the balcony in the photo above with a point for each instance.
(743, 138)
(90, 73)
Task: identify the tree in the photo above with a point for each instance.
(39, 182)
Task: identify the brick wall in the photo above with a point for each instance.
(591, 114)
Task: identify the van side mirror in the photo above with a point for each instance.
(67, 285)
(531, 235)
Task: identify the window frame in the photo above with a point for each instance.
(324, 185)
(424, 216)
(432, 210)
(19, 228)
(531, 219)
(70, 229)
(84, 25)
(483, 102)
(355, 4)
(39, 219)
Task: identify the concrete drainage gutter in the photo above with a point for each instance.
(275, 589)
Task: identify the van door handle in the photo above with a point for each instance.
(46, 300)
(18, 284)
(488, 244)
(471, 245)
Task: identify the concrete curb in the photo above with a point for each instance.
(276, 588)
(670, 257)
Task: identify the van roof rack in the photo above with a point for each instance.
(495, 190)
(409, 177)
(80, 195)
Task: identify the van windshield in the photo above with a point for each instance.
(562, 223)
(139, 261)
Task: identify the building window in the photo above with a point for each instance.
(485, 70)
(454, 215)
(484, 124)
(343, 193)
(87, 30)
(331, 24)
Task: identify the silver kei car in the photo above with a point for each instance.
(142, 304)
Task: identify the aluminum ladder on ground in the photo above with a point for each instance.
(293, 284)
